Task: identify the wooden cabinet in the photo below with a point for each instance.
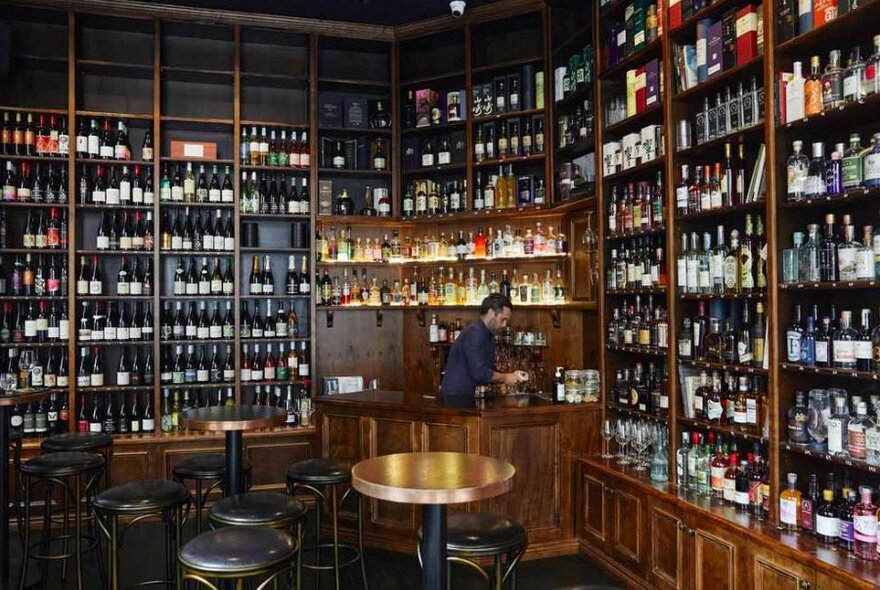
(774, 572)
(593, 512)
(667, 546)
(627, 530)
(718, 557)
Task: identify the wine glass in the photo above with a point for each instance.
(640, 443)
(622, 438)
(607, 436)
(26, 361)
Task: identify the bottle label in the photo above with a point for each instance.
(742, 498)
(788, 511)
(714, 409)
(822, 352)
(827, 526)
(729, 490)
(835, 435)
(872, 168)
(846, 531)
(844, 351)
(872, 440)
(752, 411)
(865, 527)
(793, 346)
(863, 349)
(717, 478)
(855, 438)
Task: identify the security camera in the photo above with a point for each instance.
(457, 7)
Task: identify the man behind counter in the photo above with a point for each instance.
(472, 358)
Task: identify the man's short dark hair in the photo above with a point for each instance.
(496, 302)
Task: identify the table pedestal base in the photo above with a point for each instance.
(433, 547)
(234, 483)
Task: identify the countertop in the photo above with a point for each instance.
(492, 405)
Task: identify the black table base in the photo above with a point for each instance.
(234, 476)
(433, 548)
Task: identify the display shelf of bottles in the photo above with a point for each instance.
(115, 388)
(58, 344)
(194, 341)
(276, 216)
(760, 296)
(636, 413)
(266, 123)
(441, 77)
(835, 31)
(579, 305)
(354, 82)
(35, 250)
(360, 220)
(356, 130)
(285, 80)
(197, 205)
(27, 158)
(434, 128)
(723, 211)
(109, 115)
(652, 49)
(649, 231)
(579, 148)
(850, 114)
(714, 146)
(107, 162)
(274, 339)
(212, 385)
(646, 350)
(122, 342)
(634, 122)
(276, 297)
(190, 297)
(732, 367)
(29, 204)
(639, 169)
(507, 64)
(845, 460)
(509, 160)
(487, 214)
(99, 207)
(507, 115)
(574, 98)
(116, 252)
(273, 249)
(283, 169)
(201, 122)
(851, 196)
(354, 172)
(715, 82)
(117, 297)
(831, 372)
(640, 291)
(745, 434)
(688, 26)
(398, 262)
(437, 168)
(37, 298)
(830, 285)
(206, 162)
(270, 382)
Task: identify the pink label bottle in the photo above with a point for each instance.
(865, 526)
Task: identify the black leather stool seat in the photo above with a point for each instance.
(61, 464)
(238, 549)
(142, 496)
(482, 534)
(76, 441)
(321, 471)
(258, 509)
(206, 466)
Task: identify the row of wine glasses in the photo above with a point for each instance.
(649, 442)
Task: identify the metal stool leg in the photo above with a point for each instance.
(319, 504)
(46, 534)
(77, 496)
(334, 511)
(27, 534)
(362, 556)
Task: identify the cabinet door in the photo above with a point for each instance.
(773, 572)
(594, 524)
(667, 546)
(718, 558)
(826, 582)
(627, 530)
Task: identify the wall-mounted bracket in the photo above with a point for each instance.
(379, 318)
(420, 316)
(329, 319)
(556, 316)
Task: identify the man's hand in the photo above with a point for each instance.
(509, 378)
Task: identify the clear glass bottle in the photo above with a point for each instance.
(865, 526)
(872, 443)
(872, 81)
(790, 259)
(837, 427)
(843, 343)
(857, 430)
(808, 256)
(797, 421)
(852, 163)
(798, 167)
(814, 185)
(832, 82)
(853, 75)
(847, 254)
(871, 164)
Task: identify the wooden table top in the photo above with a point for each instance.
(24, 396)
(235, 417)
(432, 478)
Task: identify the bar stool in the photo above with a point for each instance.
(83, 442)
(237, 554)
(205, 469)
(139, 500)
(314, 475)
(262, 509)
(15, 454)
(77, 475)
(472, 535)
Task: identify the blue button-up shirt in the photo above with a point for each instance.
(471, 361)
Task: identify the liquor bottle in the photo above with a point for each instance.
(865, 526)
(790, 505)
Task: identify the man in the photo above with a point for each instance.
(472, 357)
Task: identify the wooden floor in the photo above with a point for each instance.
(142, 558)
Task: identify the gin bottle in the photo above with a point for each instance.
(832, 82)
(808, 259)
(852, 77)
(798, 166)
(814, 186)
(852, 163)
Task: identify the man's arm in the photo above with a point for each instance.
(480, 371)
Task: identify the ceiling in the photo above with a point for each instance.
(376, 12)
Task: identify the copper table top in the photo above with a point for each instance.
(236, 417)
(432, 478)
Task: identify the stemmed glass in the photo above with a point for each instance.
(639, 443)
(622, 438)
(26, 361)
(607, 436)
(591, 243)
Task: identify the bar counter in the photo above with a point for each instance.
(539, 438)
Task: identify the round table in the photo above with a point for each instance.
(434, 480)
(7, 401)
(233, 420)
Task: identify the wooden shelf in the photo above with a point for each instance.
(715, 147)
(572, 305)
(509, 161)
(275, 123)
(358, 220)
(652, 113)
(115, 115)
(507, 115)
(856, 196)
(273, 249)
(115, 252)
(687, 30)
(439, 169)
(100, 162)
(721, 296)
(642, 169)
(645, 350)
(577, 149)
(114, 389)
(403, 262)
(581, 36)
(445, 77)
(846, 117)
(642, 291)
(356, 130)
(354, 82)
(844, 460)
(445, 127)
(835, 33)
(35, 251)
(31, 205)
(738, 432)
(276, 216)
(636, 413)
(506, 65)
(114, 298)
(205, 161)
(203, 121)
(650, 231)
(722, 78)
(636, 58)
(121, 343)
(354, 172)
(282, 169)
(731, 367)
(100, 207)
(59, 344)
(192, 205)
(723, 212)
(830, 372)
(830, 285)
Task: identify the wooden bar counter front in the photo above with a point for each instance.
(540, 439)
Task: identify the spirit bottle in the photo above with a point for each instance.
(865, 526)
(797, 167)
(790, 505)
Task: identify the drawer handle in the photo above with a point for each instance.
(804, 585)
(682, 526)
(692, 532)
